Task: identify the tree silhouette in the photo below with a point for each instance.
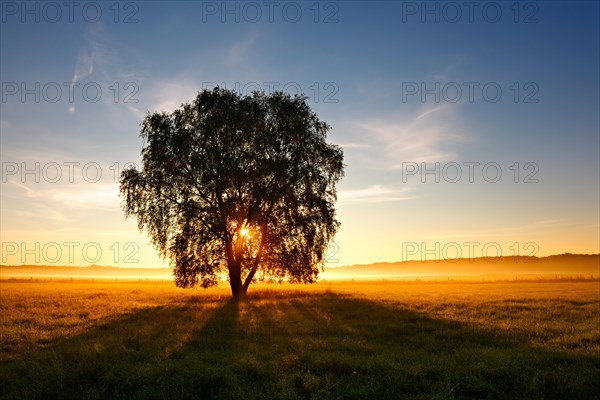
(242, 184)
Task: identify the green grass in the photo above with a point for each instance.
(340, 341)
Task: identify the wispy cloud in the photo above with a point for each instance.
(169, 95)
(373, 194)
(548, 222)
(106, 62)
(237, 53)
(97, 57)
(83, 195)
(28, 191)
(84, 66)
(429, 111)
(356, 146)
(431, 134)
(454, 63)
(98, 195)
(96, 51)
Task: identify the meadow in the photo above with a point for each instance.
(331, 340)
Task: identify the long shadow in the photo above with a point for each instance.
(300, 346)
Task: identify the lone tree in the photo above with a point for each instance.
(243, 184)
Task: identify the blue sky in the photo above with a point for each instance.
(364, 65)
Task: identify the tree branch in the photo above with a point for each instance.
(252, 272)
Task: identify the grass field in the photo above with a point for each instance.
(341, 340)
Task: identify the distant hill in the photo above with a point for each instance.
(563, 264)
(571, 265)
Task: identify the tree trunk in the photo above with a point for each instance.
(238, 291)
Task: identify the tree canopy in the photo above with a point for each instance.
(243, 185)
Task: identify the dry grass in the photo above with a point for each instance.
(561, 315)
(38, 313)
(329, 340)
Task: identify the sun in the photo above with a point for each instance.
(244, 232)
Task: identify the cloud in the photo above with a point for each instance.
(97, 58)
(82, 195)
(96, 52)
(548, 222)
(373, 194)
(449, 73)
(28, 192)
(427, 112)
(355, 146)
(232, 70)
(46, 207)
(97, 195)
(237, 54)
(429, 135)
(84, 66)
(169, 95)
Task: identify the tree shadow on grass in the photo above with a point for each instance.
(298, 345)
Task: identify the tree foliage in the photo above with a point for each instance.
(237, 184)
